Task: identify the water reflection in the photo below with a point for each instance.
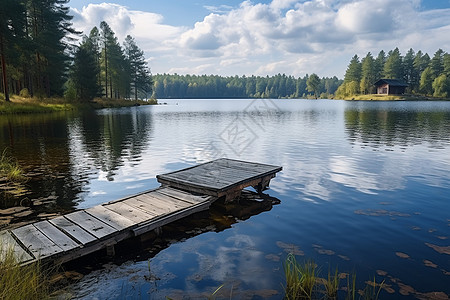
(389, 125)
(154, 277)
(63, 154)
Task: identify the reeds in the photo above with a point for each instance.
(21, 282)
(303, 282)
(300, 278)
(10, 169)
(332, 284)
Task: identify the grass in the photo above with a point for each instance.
(303, 282)
(26, 282)
(332, 284)
(10, 169)
(22, 105)
(378, 97)
(300, 278)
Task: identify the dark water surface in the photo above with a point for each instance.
(364, 187)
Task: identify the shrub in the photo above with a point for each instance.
(24, 93)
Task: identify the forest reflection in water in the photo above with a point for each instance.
(379, 126)
(61, 153)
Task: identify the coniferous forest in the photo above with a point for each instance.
(213, 86)
(424, 75)
(41, 56)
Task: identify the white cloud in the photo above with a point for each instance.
(286, 36)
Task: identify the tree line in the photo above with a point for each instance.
(175, 86)
(40, 58)
(424, 75)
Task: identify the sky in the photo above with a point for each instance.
(267, 37)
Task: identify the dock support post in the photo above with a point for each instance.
(158, 231)
(110, 250)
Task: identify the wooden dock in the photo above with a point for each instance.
(182, 193)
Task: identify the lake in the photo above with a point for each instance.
(364, 188)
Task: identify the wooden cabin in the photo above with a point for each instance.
(390, 86)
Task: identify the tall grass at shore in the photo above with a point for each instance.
(303, 282)
(10, 169)
(22, 282)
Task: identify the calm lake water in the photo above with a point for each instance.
(364, 188)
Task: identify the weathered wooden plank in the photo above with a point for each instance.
(149, 209)
(36, 242)
(110, 217)
(190, 187)
(163, 220)
(72, 229)
(167, 200)
(185, 196)
(131, 212)
(91, 224)
(246, 165)
(8, 243)
(164, 205)
(213, 182)
(56, 235)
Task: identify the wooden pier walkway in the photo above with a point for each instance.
(182, 193)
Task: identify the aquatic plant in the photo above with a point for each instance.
(372, 290)
(332, 284)
(303, 282)
(300, 278)
(351, 287)
(10, 169)
(22, 282)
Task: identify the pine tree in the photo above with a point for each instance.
(393, 68)
(12, 15)
(379, 64)
(353, 72)
(421, 61)
(368, 75)
(408, 67)
(139, 72)
(84, 72)
(437, 63)
(426, 81)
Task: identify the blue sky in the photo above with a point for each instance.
(267, 37)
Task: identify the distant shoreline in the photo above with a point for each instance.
(49, 105)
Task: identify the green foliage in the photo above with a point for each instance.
(141, 81)
(393, 68)
(84, 74)
(312, 84)
(426, 81)
(2, 96)
(24, 93)
(368, 75)
(303, 281)
(332, 284)
(213, 86)
(437, 63)
(70, 94)
(10, 168)
(354, 70)
(416, 69)
(441, 86)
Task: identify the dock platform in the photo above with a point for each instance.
(182, 193)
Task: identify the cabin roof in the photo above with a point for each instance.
(391, 82)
